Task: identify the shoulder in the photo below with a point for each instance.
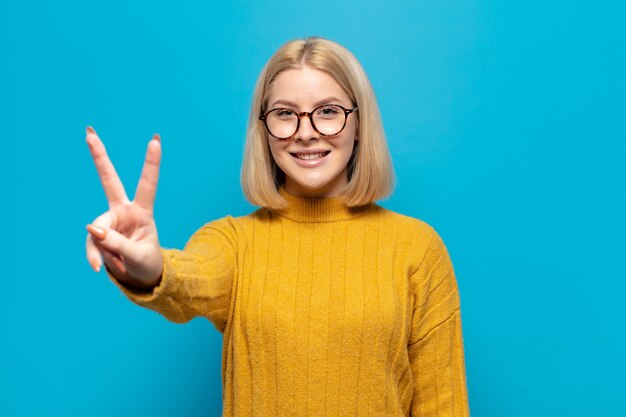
(419, 238)
(221, 231)
(232, 228)
(411, 228)
(231, 224)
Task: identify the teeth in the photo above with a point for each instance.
(311, 155)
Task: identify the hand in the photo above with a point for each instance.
(126, 235)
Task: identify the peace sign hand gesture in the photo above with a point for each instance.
(126, 235)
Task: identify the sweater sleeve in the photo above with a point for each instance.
(196, 281)
(435, 345)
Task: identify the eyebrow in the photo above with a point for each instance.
(327, 100)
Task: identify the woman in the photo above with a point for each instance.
(328, 303)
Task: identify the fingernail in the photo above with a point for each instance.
(90, 130)
(119, 265)
(97, 232)
(95, 266)
(157, 137)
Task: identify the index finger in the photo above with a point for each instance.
(113, 187)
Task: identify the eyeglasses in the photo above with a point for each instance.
(327, 120)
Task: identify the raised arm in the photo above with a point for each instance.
(126, 235)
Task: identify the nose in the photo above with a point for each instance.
(306, 131)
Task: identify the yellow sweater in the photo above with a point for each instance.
(324, 310)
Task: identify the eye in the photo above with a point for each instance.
(284, 113)
(328, 112)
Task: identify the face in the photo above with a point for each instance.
(314, 165)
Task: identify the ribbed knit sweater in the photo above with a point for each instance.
(325, 311)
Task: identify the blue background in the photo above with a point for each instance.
(507, 126)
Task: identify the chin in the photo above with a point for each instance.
(313, 185)
(315, 180)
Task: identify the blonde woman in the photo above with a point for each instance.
(328, 303)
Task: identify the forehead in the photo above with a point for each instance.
(306, 87)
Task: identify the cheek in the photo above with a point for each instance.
(277, 152)
(350, 139)
(272, 151)
(352, 131)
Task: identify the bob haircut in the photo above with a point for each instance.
(370, 172)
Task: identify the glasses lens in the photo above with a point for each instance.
(282, 123)
(329, 120)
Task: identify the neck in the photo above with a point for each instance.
(319, 210)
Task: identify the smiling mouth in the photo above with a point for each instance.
(310, 156)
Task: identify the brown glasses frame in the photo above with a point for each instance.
(309, 114)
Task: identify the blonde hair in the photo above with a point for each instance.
(370, 172)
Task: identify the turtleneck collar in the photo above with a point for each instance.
(319, 210)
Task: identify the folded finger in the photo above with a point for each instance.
(103, 220)
(114, 263)
(93, 254)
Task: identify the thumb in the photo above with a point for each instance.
(112, 240)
